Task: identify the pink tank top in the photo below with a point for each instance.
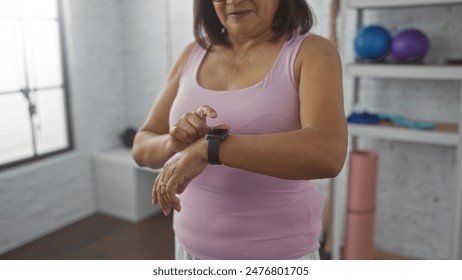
(229, 213)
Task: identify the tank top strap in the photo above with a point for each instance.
(286, 60)
(194, 61)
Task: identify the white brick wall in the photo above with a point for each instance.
(41, 197)
(145, 55)
(35, 200)
(96, 72)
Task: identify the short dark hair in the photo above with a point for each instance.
(292, 17)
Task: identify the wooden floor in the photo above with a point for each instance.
(100, 237)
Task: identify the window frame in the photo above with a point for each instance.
(66, 94)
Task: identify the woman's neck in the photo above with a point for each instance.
(243, 44)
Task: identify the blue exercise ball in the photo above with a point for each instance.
(372, 42)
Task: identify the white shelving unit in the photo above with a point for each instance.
(428, 72)
(443, 134)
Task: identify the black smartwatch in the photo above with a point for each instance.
(214, 138)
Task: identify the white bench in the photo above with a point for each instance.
(123, 189)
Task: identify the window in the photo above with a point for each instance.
(34, 115)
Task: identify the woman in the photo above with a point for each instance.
(276, 93)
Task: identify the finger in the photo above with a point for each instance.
(178, 204)
(199, 125)
(193, 126)
(167, 189)
(170, 194)
(188, 123)
(159, 182)
(163, 204)
(157, 192)
(173, 200)
(206, 111)
(154, 191)
(154, 195)
(180, 133)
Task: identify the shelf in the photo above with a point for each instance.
(443, 134)
(362, 4)
(393, 71)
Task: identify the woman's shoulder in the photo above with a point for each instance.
(314, 45)
(316, 48)
(187, 51)
(315, 53)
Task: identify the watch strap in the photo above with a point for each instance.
(213, 150)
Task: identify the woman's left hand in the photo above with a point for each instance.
(177, 173)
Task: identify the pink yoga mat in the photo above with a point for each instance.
(362, 180)
(359, 235)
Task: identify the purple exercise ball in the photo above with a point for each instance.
(409, 45)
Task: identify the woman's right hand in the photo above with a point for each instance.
(190, 127)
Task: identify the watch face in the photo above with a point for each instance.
(217, 133)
